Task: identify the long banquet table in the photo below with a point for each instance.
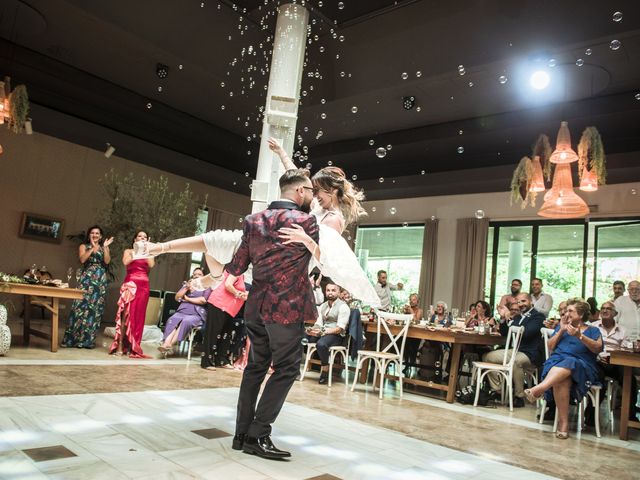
(456, 338)
(54, 293)
(628, 360)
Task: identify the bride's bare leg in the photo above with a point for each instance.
(181, 245)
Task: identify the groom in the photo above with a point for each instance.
(281, 299)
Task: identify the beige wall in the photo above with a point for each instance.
(45, 175)
(612, 201)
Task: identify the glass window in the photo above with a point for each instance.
(398, 250)
(513, 259)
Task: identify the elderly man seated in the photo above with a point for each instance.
(613, 336)
(330, 328)
(527, 356)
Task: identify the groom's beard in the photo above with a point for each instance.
(306, 207)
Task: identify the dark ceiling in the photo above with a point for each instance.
(90, 67)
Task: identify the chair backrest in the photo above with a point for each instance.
(169, 307)
(397, 341)
(513, 341)
(546, 335)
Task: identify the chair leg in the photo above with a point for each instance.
(355, 378)
(345, 356)
(332, 356)
(543, 407)
(596, 406)
(401, 376)
(478, 383)
(509, 381)
(307, 359)
(383, 370)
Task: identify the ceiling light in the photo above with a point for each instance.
(408, 102)
(109, 151)
(162, 70)
(539, 80)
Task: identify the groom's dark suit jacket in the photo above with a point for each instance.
(281, 291)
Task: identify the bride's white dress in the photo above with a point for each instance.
(337, 260)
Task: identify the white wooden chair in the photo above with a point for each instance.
(393, 353)
(334, 351)
(189, 342)
(505, 369)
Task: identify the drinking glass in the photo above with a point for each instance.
(454, 312)
(33, 270)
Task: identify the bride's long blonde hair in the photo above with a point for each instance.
(349, 197)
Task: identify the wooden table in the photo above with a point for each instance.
(53, 293)
(456, 338)
(628, 360)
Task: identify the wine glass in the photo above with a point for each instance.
(69, 274)
(454, 312)
(33, 270)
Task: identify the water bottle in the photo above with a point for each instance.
(482, 328)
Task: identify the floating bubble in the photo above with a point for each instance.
(340, 5)
(552, 62)
(392, 210)
(634, 191)
(461, 70)
(308, 166)
(404, 75)
(418, 109)
(329, 163)
(246, 174)
(221, 107)
(471, 84)
(354, 177)
(354, 109)
(373, 209)
(588, 52)
(180, 67)
(617, 17)
(149, 106)
(479, 214)
(389, 147)
(222, 84)
(580, 62)
(323, 116)
(321, 49)
(460, 132)
(323, 101)
(381, 152)
(378, 234)
(371, 142)
(160, 88)
(637, 96)
(418, 74)
(341, 38)
(615, 45)
(381, 179)
(405, 224)
(422, 172)
(503, 79)
(460, 149)
(342, 74)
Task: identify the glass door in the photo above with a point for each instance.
(616, 256)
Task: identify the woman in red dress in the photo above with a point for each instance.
(132, 304)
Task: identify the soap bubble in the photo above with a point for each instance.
(471, 84)
(354, 109)
(373, 209)
(340, 5)
(404, 75)
(460, 132)
(479, 214)
(392, 210)
(580, 62)
(246, 174)
(308, 166)
(422, 172)
(323, 116)
(503, 79)
(460, 149)
(371, 142)
(552, 62)
(461, 70)
(588, 51)
(329, 163)
(617, 17)
(160, 88)
(381, 152)
(381, 179)
(389, 147)
(149, 106)
(418, 109)
(637, 96)
(615, 45)
(354, 177)
(418, 74)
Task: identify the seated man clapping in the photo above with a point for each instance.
(330, 328)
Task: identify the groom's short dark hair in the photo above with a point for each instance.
(293, 177)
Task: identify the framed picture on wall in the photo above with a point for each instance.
(41, 227)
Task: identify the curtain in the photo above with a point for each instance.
(471, 258)
(428, 267)
(219, 219)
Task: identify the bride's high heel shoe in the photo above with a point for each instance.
(142, 249)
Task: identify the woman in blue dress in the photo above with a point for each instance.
(572, 367)
(86, 313)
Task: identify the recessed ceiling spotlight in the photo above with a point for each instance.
(162, 70)
(539, 80)
(408, 102)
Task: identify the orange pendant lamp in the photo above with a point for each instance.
(563, 152)
(537, 179)
(589, 182)
(562, 201)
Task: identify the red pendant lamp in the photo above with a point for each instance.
(537, 178)
(589, 182)
(563, 152)
(562, 201)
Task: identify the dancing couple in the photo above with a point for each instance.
(280, 243)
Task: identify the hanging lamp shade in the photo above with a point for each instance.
(563, 152)
(589, 182)
(537, 179)
(561, 200)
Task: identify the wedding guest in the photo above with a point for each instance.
(132, 304)
(189, 315)
(618, 289)
(224, 303)
(516, 287)
(383, 289)
(441, 316)
(542, 302)
(86, 312)
(484, 314)
(469, 322)
(572, 366)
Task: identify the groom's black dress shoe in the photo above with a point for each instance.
(263, 447)
(238, 441)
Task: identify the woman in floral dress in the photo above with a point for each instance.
(86, 313)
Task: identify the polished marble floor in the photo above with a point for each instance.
(83, 414)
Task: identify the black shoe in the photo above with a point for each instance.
(238, 441)
(324, 378)
(263, 447)
(518, 402)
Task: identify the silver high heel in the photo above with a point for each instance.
(141, 249)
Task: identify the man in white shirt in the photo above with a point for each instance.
(330, 327)
(542, 302)
(383, 289)
(618, 289)
(628, 308)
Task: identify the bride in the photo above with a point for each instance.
(337, 203)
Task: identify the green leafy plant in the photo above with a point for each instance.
(520, 183)
(18, 108)
(591, 154)
(542, 149)
(142, 203)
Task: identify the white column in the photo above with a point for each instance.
(283, 93)
(514, 270)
